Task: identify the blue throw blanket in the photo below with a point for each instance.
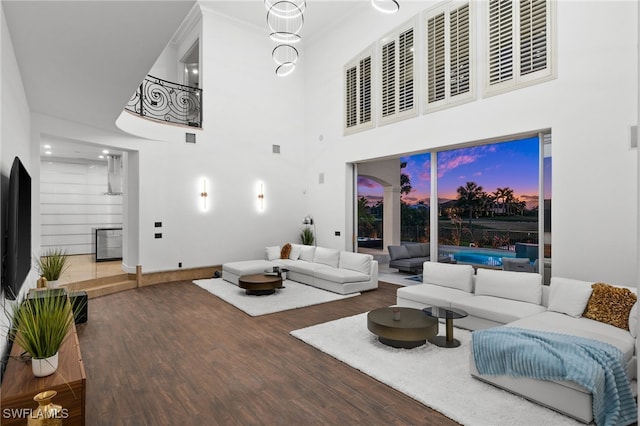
(594, 365)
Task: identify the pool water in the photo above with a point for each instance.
(478, 257)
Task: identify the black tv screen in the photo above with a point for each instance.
(17, 259)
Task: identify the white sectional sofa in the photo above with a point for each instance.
(338, 271)
(517, 299)
(491, 298)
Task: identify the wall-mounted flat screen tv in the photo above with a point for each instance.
(17, 256)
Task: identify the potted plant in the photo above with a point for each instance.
(306, 235)
(52, 265)
(39, 325)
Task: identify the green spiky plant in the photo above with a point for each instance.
(53, 264)
(40, 325)
(306, 235)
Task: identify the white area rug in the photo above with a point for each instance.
(294, 295)
(437, 377)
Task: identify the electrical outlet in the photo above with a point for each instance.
(179, 264)
(158, 235)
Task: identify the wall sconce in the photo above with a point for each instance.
(204, 194)
(260, 197)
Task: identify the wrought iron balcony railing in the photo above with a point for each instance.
(163, 100)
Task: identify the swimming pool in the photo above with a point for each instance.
(476, 256)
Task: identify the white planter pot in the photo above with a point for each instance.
(52, 284)
(42, 367)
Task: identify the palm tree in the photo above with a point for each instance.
(469, 197)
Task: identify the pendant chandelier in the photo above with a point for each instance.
(386, 6)
(285, 19)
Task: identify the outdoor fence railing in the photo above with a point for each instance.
(163, 100)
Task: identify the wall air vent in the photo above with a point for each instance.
(190, 137)
(276, 149)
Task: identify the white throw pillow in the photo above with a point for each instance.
(633, 320)
(295, 251)
(272, 252)
(448, 275)
(355, 262)
(569, 296)
(522, 286)
(327, 256)
(306, 253)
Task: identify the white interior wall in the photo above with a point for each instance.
(247, 109)
(14, 141)
(73, 203)
(589, 108)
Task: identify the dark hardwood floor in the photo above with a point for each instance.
(173, 354)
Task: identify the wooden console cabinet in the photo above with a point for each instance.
(19, 385)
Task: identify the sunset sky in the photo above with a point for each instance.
(512, 164)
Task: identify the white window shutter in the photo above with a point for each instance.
(533, 36)
(358, 97)
(436, 58)
(350, 119)
(460, 50)
(501, 43)
(520, 44)
(388, 104)
(365, 99)
(397, 74)
(449, 53)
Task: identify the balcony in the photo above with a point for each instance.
(162, 100)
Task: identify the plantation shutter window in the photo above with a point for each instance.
(435, 52)
(460, 42)
(388, 79)
(397, 74)
(519, 44)
(533, 36)
(449, 56)
(350, 98)
(365, 90)
(405, 72)
(358, 99)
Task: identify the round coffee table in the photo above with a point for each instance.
(260, 284)
(448, 314)
(411, 330)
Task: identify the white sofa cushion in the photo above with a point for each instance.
(339, 275)
(272, 252)
(358, 262)
(306, 253)
(497, 309)
(523, 286)
(295, 251)
(327, 256)
(247, 267)
(430, 295)
(569, 296)
(448, 275)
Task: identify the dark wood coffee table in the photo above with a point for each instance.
(260, 284)
(410, 331)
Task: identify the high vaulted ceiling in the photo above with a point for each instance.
(82, 60)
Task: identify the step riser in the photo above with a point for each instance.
(104, 290)
(83, 285)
